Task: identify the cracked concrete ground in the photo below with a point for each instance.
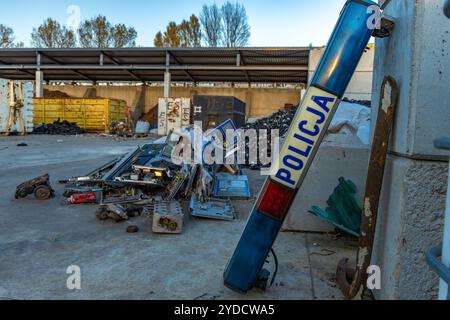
(40, 239)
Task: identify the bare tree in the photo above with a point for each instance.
(52, 35)
(6, 37)
(123, 36)
(211, 20)
(96, 33)
(68, 38)
(236, 30)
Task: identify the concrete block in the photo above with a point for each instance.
(417, 56)
(410, 222)
(339, 156)
(168, 218)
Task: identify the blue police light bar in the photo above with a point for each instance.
(341, 57)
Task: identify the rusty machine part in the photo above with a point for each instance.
(168, 224)
(344, 276)
(39, 186)
(353, 282)
(132, 229)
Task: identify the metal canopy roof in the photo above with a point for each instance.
(256, 65)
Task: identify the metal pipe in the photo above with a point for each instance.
(444, 286)
(444, 143)
(385, 4)
(433, 258)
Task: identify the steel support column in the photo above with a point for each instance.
(39, 84)
(167, 78)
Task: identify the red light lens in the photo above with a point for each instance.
(275, 200)
(82, 198)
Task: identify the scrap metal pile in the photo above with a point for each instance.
(352, 116)
(366, 103)
(148, 181)
(59, 128)
(39, 186)
(121, 129)
(280, 121)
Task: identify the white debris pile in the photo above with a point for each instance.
(353, 119)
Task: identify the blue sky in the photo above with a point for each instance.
(273, 23)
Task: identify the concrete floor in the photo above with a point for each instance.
(39, 240)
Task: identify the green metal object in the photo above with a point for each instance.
(343, 209)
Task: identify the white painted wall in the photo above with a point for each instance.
(360, 87)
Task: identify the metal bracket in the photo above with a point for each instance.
(433, 257)
(384, 4)
(387, 26)
(263, 280)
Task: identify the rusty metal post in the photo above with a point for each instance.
(353, 281)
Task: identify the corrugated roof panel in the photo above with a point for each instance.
(207, 58)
